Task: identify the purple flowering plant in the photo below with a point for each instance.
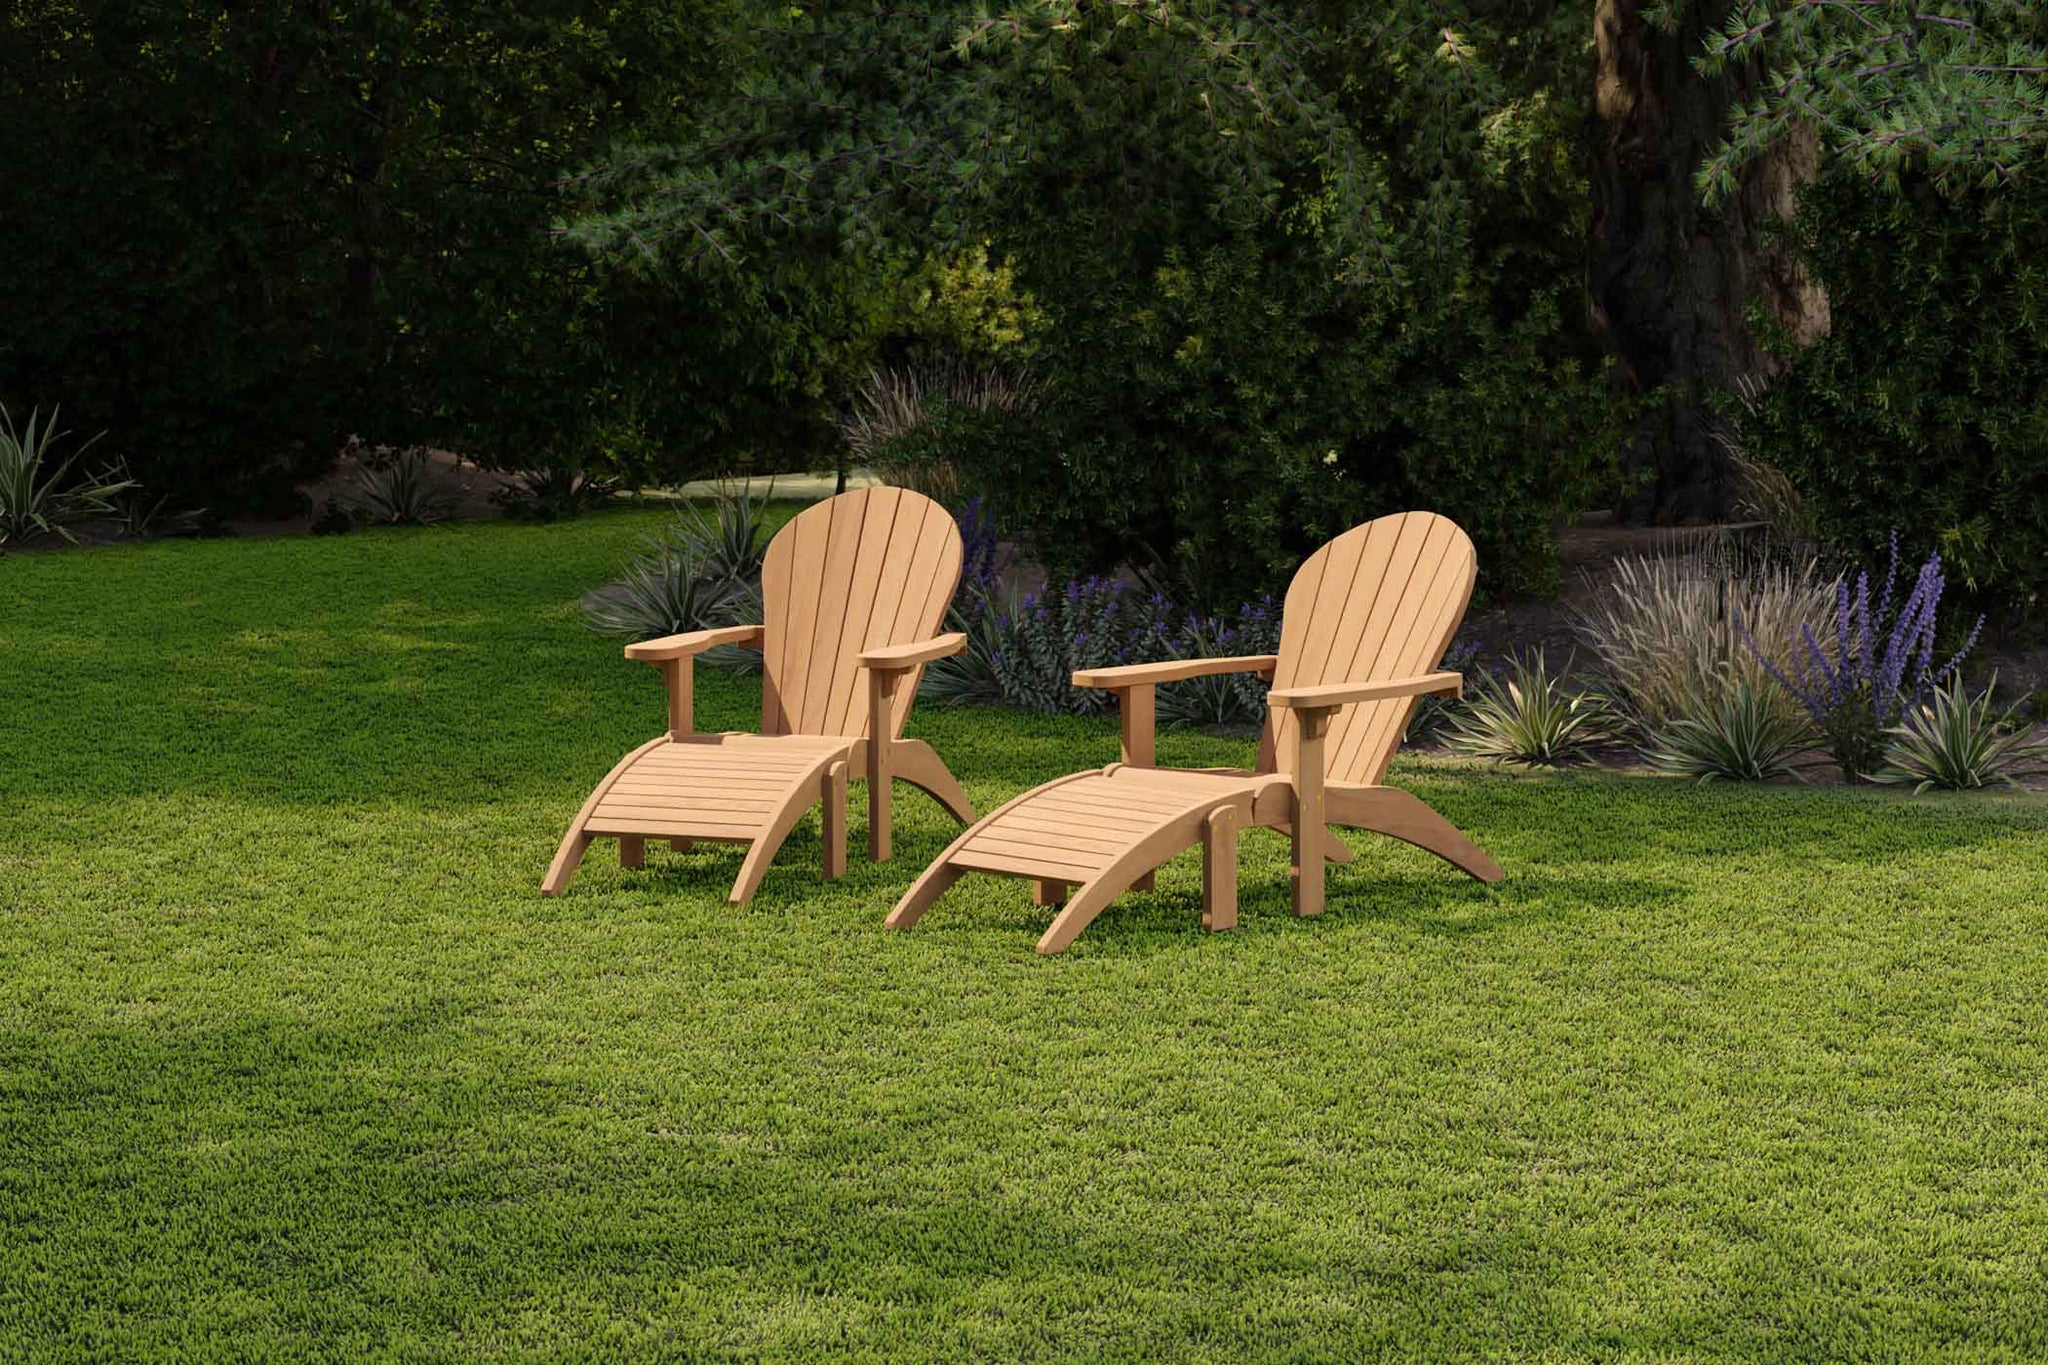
(1876, 665)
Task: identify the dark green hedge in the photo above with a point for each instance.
(1925, 409)
(233, 237)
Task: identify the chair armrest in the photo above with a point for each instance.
(1326, 695)
(1173, 670)
(892, 658)
(695, 642)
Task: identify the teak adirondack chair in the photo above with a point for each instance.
(851, 591)
(1367, 619)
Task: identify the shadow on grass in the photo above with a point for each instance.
(426, 1175)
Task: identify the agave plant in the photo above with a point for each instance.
(975, 674)
(726, 539)
(1742, 737)
(35, 498)
(1960, 743)
(1432, 714)
(145, 518)
(663, 592)
(405, 491)
(554, 493)
(741, 606)
(1531, 716)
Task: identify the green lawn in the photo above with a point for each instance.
(295, 1063)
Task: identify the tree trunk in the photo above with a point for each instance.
(1671, 280)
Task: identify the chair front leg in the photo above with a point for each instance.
(882, 684)
(1137, 714)
(1313, 723)
(1136, 711)
(832, 820)
(681, 677)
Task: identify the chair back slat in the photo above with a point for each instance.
(1380, 601)
(873, 567)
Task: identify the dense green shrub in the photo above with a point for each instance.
(1926, 406)
(232, 237)
(1294, 269)
(1224, 393)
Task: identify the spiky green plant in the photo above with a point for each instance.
(1530, 716)
(741, 606)
(1741, 737)
(554, 493)
(406, 491)
(1960, 743)
(35, 499)
(663, 592)
(975, 674)
(725, 539)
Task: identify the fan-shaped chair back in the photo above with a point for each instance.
(1380, 601)
(873, 567)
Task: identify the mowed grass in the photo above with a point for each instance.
(296, 1064)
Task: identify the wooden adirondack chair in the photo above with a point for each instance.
(1367, 620)
(852, 591)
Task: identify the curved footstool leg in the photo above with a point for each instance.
(1100, 833)
(937, 879)
(1134, 863)
(576, 843)
(797, 801)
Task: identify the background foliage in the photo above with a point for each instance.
(1264, 272)
(234, 237)
(1292, 272)
(1926, 406)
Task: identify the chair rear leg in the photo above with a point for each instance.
(917, 763)
(1401, 815)
(632, 851)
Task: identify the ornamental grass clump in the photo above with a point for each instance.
(1664, 628)
(1960, 743)
(1878, 665)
